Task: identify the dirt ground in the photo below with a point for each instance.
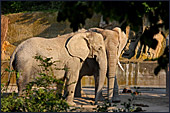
(150, 99)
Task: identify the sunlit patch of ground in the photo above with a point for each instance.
(150, 99)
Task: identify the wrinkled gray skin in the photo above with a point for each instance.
(67, 49)
(115, 41)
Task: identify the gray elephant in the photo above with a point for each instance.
(70, 50)
(115, 40)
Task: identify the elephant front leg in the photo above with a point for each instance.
(96, 78)
(72, 77)
(71, 85)
(100, 97)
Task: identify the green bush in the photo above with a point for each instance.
(39, 96)
(44, 98)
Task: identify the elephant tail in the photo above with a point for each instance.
(12, 59)
(10, 66)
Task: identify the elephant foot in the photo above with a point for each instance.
(101, 98)
(114, 101)
(71, 103)
(98, 103)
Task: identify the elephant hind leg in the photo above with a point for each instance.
(78, 88)
(23, 77)
(96, 78)
(22, 81)
(19, 84)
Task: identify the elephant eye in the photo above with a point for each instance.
(100, 48)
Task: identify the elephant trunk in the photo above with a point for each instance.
(102, 60)
(112, 63)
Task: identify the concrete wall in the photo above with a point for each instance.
(135, 74)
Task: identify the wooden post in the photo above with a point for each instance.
(167, 70)
(167, 80)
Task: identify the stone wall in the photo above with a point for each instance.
(40, 24)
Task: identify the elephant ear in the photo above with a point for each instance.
(117, 29)
(120, 39)
(77, 46)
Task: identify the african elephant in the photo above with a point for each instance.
(70, 50)
(115, 40)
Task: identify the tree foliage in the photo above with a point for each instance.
(27, 6)
(78, 11)
(132, 12)
(40, 95)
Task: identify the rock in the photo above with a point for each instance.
(135, 49)
(4, 28)
(6, 50)
(129, 91)
(155, 53)
(135, 93)
(124, 90)
(138, 109)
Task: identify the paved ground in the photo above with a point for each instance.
(150, 99)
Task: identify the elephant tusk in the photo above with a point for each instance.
(120, 66)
